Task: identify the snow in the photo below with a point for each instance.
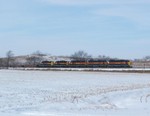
(65, 93)
(88, 69)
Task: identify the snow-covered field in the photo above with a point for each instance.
(138, 70)
(58, 93)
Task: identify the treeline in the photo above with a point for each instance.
(20, 61)
(146, 58)
(35, 58)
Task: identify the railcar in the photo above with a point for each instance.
(46, 64)
(97, 63)
(61, 64)
(119, 64)
(78, 64)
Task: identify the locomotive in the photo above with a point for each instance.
(87, 64)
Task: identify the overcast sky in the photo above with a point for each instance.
(116, 28)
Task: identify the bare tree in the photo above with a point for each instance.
(104, 57)
(35, 58)
(31, 61)
(81, 55)
(1, 62)
(38, 53)
(146, 58)
(9, 58)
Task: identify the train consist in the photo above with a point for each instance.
(87, 64)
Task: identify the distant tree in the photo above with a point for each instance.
(1, 62)
(146, 58)
(103, 57)
(38, 53)
(33, 60)
(81, 55)
(9, 58)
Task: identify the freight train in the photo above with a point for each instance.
(87, 64)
